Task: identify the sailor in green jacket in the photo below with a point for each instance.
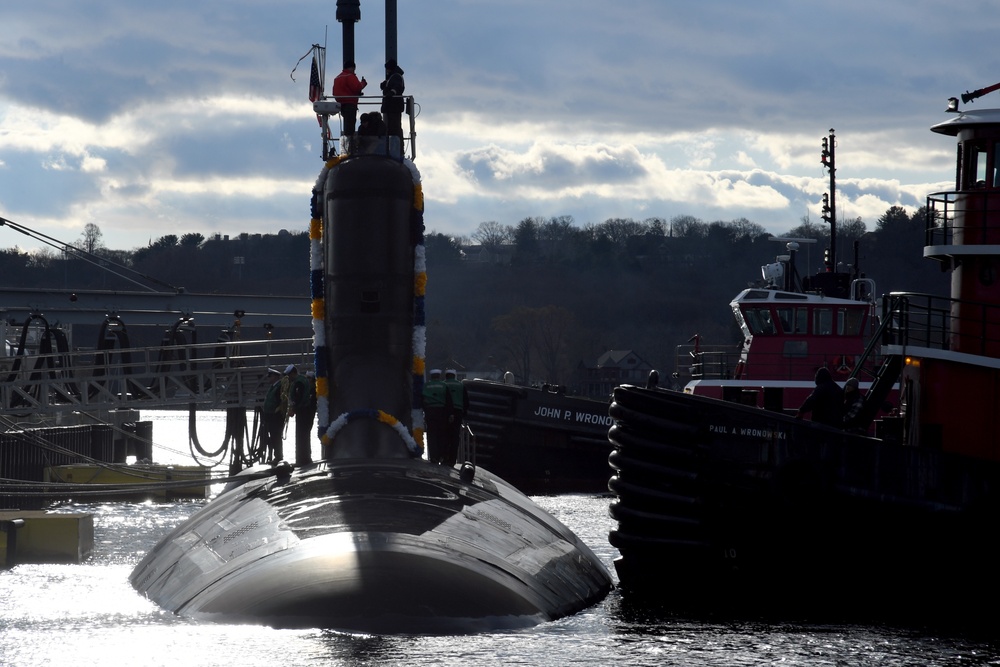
(436, 410)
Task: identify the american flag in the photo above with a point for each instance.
(315, 85)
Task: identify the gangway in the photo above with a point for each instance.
(45, 372)
(209, 376)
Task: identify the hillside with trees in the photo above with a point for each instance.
(538, 297)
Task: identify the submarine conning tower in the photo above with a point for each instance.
(367, 284)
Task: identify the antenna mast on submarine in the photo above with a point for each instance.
(348, 13)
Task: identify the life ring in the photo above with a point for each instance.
(843, 365)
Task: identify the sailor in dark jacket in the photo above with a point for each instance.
(459, 405)
(854, 402)
(392, 100)
(826, 402)
(273, 417)
(302, 407)
(437, 407)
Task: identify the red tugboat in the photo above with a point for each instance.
(791, 327)
(722, 506)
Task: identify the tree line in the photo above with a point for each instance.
(542, 297)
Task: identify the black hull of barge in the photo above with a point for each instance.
(728, 508)
(540, 441)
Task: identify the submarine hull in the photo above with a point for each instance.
(374, 546)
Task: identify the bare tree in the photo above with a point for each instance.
(687, 226)
(536, 332)
(619, 230)
(743, 229)
(553, 328)
(809, 230)
(90, 240)
(554, 236)
(492, 236)
(517, 331)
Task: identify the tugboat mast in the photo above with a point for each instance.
(829, 160)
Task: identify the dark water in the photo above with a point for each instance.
(80, 615)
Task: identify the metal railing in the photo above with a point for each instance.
(716, 362)
(208, 375)
(934, 322)
(375, 139)
(724, 363)
(973, 216)
(466, 445)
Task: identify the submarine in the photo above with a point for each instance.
(371, 538)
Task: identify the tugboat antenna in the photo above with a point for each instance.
(829, 160)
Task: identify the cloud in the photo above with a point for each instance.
(155, 118)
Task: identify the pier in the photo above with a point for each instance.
(50, 367)
(78, 368)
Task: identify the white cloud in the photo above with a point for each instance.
(185, 117)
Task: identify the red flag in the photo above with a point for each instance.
(315, 85)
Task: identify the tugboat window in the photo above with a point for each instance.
(996, 166)
(760, 321)
(793, 320)
(801, 320)
(785, 317)
(822, 322)
(850, 321)
(975, 170)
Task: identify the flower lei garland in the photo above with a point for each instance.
(419, 342)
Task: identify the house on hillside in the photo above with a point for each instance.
(480, 255)
(611, 369)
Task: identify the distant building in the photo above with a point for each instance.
(480, 255)
(612, 368)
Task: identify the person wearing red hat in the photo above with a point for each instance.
(346, 88)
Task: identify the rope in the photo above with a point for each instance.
(77, 489)
(196, 444)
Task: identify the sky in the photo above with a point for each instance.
(150, 119)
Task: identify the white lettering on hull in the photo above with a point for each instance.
(589, 418)
(548, 413)
(747, 432)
